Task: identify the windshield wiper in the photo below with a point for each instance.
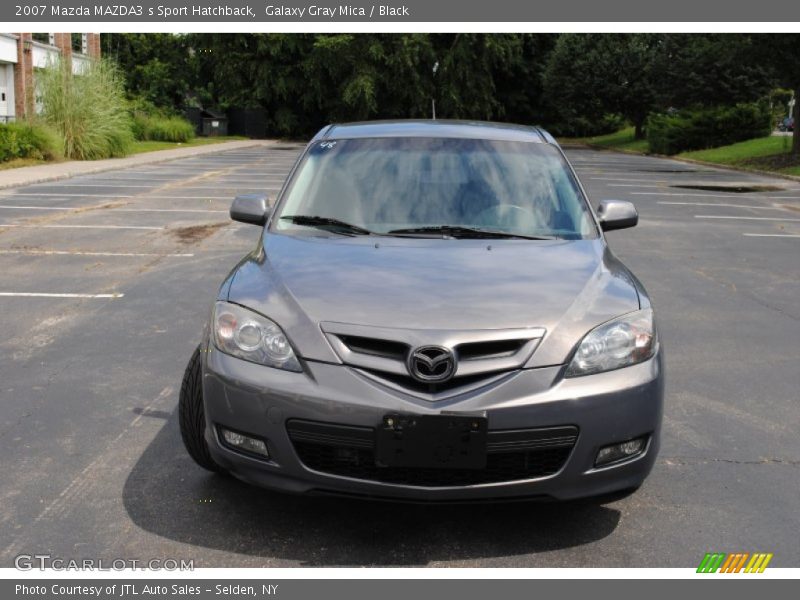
(458, 231)
(328, 223)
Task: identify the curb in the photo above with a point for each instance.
(689, 161)
(128, 162)
(705, 163)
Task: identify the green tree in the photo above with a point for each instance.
(519, 84)
(780, 53)
(305, 81)
(157, 66)
(590, 75)
(466, 79)
(709, 70)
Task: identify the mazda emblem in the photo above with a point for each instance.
(431, 364)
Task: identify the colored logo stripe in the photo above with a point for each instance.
(711, 562)
(758, 563)
(734, 563)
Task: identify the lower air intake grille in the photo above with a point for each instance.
(348, 451)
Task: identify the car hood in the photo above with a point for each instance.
(564, 286)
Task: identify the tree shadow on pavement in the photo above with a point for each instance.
(168, 495)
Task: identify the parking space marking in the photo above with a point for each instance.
(48, 295)
(81, 253)
(628, 179)
(42, 207)
(713, 196)
(229, 197)
(169, 210)
(141, 197)
(120, 209)
(634, 185)
(744, 218)
(110, 185)
(52, 195)
(78, 226)
(153, 186)
(779, 235)
(722, 204)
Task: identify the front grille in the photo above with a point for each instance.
(409, 383)
(374, 347)
(348, 451)
(492, 349)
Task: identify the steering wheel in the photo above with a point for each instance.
(509, 216)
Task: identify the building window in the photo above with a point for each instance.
(80, 43)
(44, 38)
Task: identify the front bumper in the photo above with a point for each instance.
(606, 408)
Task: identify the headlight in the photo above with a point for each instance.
(248, 335)
(625, 341)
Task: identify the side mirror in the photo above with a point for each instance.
(617, 214)
(250, 208)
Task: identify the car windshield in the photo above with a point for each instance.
(435, 187)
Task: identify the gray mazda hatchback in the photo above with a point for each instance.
(432, 313)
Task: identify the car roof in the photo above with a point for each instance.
(437, 128)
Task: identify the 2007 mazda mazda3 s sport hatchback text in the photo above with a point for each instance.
(432, 313)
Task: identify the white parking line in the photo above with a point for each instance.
(42, 207)
(47, 295)
(52, 195)
(229, 197)
(182, 186)
(628, 179)
(744, 218)
(722, 204)
(780, 235)
(79, 253)
(713, 196)
(78, 226)
(145, 196)
(633, 185)
(110, 185)
(105, 209)
(169, 210)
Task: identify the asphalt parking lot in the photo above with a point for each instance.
(124, 265)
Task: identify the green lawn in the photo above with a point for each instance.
(765, 154)
(622, 140)
(769, 153)
(149, 146)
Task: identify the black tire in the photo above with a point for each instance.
(191, 414)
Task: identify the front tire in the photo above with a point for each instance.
(192, 416)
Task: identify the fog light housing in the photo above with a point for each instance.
(244, 443)
(622, 451)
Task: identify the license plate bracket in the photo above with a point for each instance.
(444, 441)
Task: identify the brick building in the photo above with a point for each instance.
(21, 54)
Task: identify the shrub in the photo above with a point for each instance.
(89, 110)
(29, 140)
(579, 126)
(707, 127)
(162, 128)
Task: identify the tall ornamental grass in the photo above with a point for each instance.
(89, 109)
(162, 128)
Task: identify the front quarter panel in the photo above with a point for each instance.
(255, 285)
(610, 292)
